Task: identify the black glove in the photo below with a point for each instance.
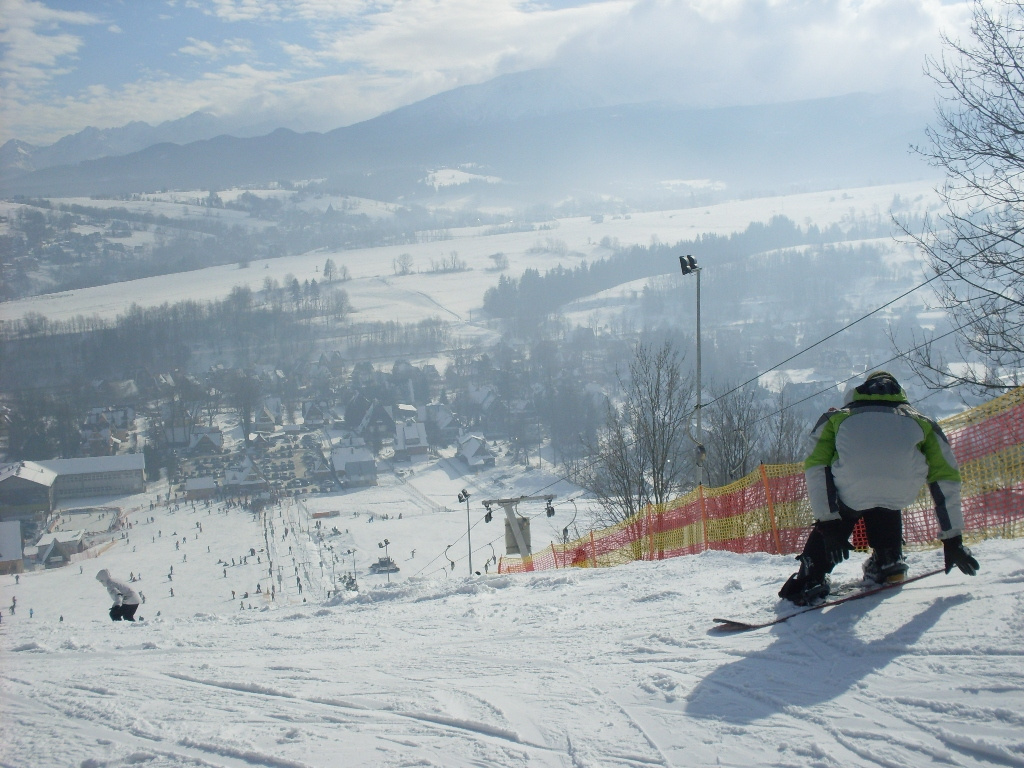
(837, 545)
(958, 555)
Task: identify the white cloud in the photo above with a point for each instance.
(33, 54)
(744, 51)
(464, 36)
(206, 50)
(353, 59)
(244, 10)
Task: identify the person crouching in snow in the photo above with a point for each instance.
(126, 600)
(869, 460)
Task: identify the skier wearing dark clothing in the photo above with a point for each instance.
(869, 459)
(126, 600)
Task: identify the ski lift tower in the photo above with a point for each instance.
(510, 506)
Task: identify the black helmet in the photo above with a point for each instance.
(880, 383)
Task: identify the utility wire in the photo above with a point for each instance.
(828, 338)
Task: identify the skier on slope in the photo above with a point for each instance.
(869, 459)
(126, 600)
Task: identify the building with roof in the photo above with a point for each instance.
(26, 488)
(246, 477)
(203, 487)
(474, 451)
(98, 475)
(55, 549)
(355, 465)
(410, 439)
(11, 557)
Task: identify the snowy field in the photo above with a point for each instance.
(377, 293)
(575, 668)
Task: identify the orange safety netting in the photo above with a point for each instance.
(768, 510)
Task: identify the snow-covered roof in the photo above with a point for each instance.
(29, 470)
(60, 536)
(205, 483)
(345, 455)
(119, 463)
(410, 434)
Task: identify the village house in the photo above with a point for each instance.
(370, 420)
(440, 423)
(269, 415)
(315, 414)
(354, 465)
(410, 439)
(206, 441)
(204, 487)
(54, 550)
(244, 477)
(474, 451)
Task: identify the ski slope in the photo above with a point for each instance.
(578, 668)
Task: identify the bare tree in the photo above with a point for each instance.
(784, 433)
(975, 247)
(640, 457)
(402, 265)
(245, 394)
(733, 423)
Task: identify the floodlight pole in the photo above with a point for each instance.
(464, 496)
(700, 432)
(688, 265)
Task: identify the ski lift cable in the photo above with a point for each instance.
(851, 378)
(832, 335)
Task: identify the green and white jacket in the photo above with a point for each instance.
(877, 451)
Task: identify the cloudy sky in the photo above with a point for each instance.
(322, 64)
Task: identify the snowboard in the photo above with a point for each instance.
(844, 594)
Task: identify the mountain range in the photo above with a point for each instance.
(539, 135)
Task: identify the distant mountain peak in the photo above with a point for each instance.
(534, 93)
(91, 143)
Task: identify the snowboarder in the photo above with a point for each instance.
(869, 460)
(126, 600)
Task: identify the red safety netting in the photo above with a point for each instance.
(768, 510)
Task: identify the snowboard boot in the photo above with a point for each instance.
(885, 566)
(807, 586)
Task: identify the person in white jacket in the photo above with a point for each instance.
(126, 600)
(869, 459)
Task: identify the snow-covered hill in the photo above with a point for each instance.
(595, 668)
(377, 293)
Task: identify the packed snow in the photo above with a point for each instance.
(433, 666)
